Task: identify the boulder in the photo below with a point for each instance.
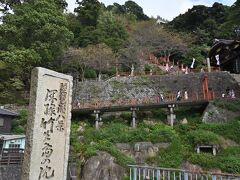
(184, 121)
(102, 167)
(214, 114)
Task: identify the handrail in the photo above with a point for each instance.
(184, 170)
(148, 172)
(147, 100)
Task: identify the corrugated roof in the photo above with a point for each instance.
(10, 137)
(7, 112)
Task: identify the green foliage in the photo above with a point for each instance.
(33, 35)
(90, 73)
(117, 132)
(182, 140)
(154, 133)
(147, 67)
(95, 141)
(111, 31)
(88, 12)
(231, 21)
(228, 130)
(229, 105)
(19, 124)
(205, 160)
(171, 157)
(198, 52)
(133, 8)
(230, 164)
(107, 146)
(203, 137)
(130, 7)
(203, 21)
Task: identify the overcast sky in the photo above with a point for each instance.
(167, 9)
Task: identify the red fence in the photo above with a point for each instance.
(148, 100)
(96, 103)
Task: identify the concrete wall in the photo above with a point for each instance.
(137, 87)
(10, 172)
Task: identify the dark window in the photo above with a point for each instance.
(14, 146)
(1, 121)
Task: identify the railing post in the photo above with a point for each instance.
(130, 174)
(133, 117)
(171, 117)
(97, 119)
(134, 173)
(139, 173)
(9, 160)
(214, 177)
(158, 174)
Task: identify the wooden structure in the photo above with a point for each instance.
(12, 144)
(6, 118)
(225, 54)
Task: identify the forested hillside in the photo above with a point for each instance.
(97, 38)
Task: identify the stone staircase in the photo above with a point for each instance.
(237, 78)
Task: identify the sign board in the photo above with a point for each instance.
(48, 127)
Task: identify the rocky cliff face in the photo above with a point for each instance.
(216, 114)
(140, 151)
(102, 167)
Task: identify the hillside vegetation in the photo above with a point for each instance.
(98, 38)
(101, 40)
(152, 127)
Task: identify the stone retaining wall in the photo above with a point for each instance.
(10, 172)
(142, 86)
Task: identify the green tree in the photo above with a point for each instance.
(111, 31)
(133, 8)
(204, 22)
(88, 12)
(232, 21)
(116, 8)
(34, 35)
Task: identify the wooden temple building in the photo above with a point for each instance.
(226, 55)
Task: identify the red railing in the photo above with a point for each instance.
(148, 100)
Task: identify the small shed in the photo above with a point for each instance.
(6, 118)
(12, 144)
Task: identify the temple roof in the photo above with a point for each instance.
(227, 49)
(7, 112)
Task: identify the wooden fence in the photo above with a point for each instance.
(8, 160)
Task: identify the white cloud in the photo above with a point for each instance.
(165, 8)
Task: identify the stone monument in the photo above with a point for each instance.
(48, 127)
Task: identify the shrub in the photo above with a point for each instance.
(204, 160)
(19, 124)
(230, 164)
(147, 67)
(171, 157)
(90, 73)
(228, 130)
(203, 137)
(229, 105)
